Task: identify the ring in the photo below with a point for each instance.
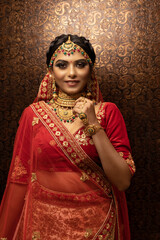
(82, 116)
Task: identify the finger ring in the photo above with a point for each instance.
(83, 100)
(82, 115)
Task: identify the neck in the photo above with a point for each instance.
(66, 100)
(65, 96)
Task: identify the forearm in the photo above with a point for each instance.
(114, 166)
(11, 209)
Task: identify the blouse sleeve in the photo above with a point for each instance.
(116, 131)
(20, 165)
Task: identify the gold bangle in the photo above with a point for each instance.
(92, 129)
(3, 238)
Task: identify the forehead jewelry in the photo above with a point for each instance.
(68, 48)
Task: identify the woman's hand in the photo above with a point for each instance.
(84, 105)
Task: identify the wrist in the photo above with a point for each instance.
(92, 129)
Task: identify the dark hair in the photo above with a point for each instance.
(80, 41)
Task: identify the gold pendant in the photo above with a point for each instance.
(64, 113)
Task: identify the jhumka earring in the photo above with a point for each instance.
(90, 85)
(89, 88)
(53, 86)
(54, 89)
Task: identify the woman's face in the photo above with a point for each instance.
(71, 73)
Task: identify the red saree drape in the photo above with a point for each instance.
(62, 191)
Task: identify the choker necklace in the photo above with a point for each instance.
(63, 106)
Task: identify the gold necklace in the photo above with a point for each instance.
(63, 106)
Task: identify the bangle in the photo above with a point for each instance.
(3, 238)
(92, 129)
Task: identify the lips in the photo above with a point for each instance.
(72, 82)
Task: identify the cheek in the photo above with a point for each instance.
(85, 74)
(58, 74)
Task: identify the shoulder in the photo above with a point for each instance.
(110, 113)
(27, 115)
(109, 108)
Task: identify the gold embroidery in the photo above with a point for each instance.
(45, 116)
(77, 160)
(35, 121)
(69, 149)
(19, 170)
(51, 125)
(121, 154)
(84, 177)
(58, 133)
(52, 143)
(65, 144)
(88, 233)
(48, 120)
(130, 162)
(101, 113)
(104, 232)
(44, 89)
(42, 113)
(73, 155)
(34, 177)
(82, 139)
(100, 237)
(36, 235)
(61, 138)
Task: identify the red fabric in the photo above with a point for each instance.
(35, 150)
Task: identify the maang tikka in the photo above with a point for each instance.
(68, 48)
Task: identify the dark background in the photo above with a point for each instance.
(126, 38)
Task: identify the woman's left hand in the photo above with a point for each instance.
(84, 105)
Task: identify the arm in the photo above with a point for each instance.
(115, 167)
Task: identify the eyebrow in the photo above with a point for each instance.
(65, 61)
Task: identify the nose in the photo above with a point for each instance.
(71, 71)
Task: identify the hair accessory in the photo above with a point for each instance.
(68, 48)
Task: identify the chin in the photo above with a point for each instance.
(72, 91)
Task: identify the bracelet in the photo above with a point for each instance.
(92, 129)
(3, 238)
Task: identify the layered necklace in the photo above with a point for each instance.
(63, 106)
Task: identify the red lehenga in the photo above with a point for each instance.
(68, 195)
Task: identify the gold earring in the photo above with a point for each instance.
(89, 88)
(53, 87)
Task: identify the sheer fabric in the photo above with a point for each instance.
(61, 189)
